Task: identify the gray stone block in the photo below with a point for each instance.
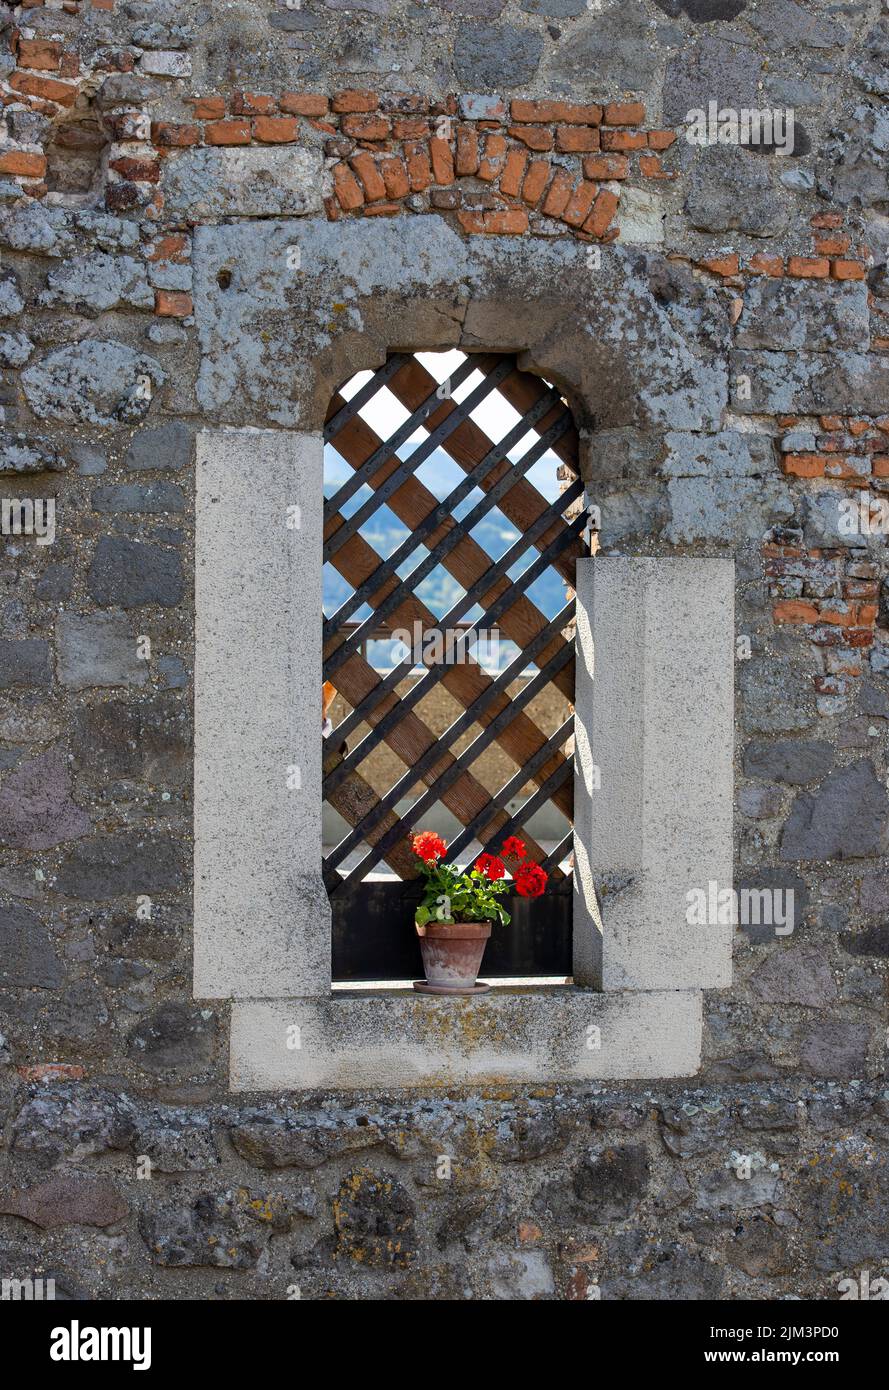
(654, 717)
(262, 918)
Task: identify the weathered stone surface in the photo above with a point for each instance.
(97, 282)
(868, 941)
(774, 881)
(36, 808)
(795, 975)
(520, 1138)
(670, 1273)
(784, 314)
(24, 663)
(759, 1249)
(722, 1188)
(610, 1183)
(795, 761)
(129, 574)
(175, 1035)
(836, 1048)
(27, 951)
(11, 301)
(117, 864)
(167, 446)
(176, 1148)
(847, 818)
(374, 1217)
(490, 56)
(15, 349)
(97, 649)
(131, 497)
(712, 69)
(730, 190)
(21, 454)
(72, 1122)
(775, 699)
(848, 1203)
(150, 740)
(95, 382)
(228, 1230)
(67, 1199)
(256, 182)
(301, 1145)
(760, 803)
(610, 53)
(809, 383)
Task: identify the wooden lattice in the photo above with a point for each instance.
(556, 535)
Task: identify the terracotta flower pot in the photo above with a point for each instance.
(452, 954)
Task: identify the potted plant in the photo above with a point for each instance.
(459, 908)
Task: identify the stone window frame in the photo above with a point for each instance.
(658, 822)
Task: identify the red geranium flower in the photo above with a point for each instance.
(428, 846)
(530, 881)
(492, 867)
(514, 848)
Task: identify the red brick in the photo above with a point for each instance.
(22, 164)
(513, 173)
(549, 112)
(764, 264)
(51, 1071)
(624, 113)
(847, 270)
(350, 99)
(500, 222)
(827, 220)
(571, 139)
(170, 136)
(836, 245)
(536, 137)
(493, 159)
(808, 267)
(208, 108)
(173, 304)
(49, 88)
(804, 465)
(880, 464)
(661, 139)
(467, 150)
(42, 54)
(652, 168)
(252, 104)
(580, 203)
(442, 161)
(604, 209)
(394, 173)
(69, 64)
(347, 188)
(607, 166)
(170, 248)
(304, 104)
(721, 265)
(536, 180)
(370, 177)
(624, 140)
(232, 132)
(793, 610)
(419, 168)
(276, 130)
(560, 191)
(411, 128)
(383, 210)
(365, 127)
(137, 170)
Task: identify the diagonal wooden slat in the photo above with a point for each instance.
(375, 462)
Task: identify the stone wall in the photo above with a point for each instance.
(755, 282)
